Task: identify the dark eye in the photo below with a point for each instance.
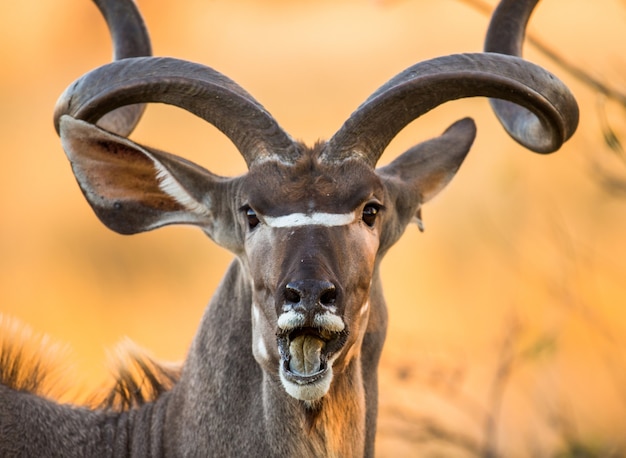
(253, 219)
(370, 211)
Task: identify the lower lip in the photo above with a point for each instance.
(301, 379)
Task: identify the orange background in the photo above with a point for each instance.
(510, 306)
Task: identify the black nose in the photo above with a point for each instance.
(310, 293)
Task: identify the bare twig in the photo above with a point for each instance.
(420, 430)
(503, 374)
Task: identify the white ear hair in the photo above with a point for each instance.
(170, 186)
(417, 219)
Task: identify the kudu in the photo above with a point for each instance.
(285, 360)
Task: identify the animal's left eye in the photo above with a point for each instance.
(253, 219)
(370, 212)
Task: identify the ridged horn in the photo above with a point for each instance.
(130, 39)
(193, 87)
(535, 107)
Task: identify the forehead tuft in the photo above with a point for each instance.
(275, 188)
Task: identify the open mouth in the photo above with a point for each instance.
(306, 352)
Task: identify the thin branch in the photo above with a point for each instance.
(504, 370)
(610, 137)
(420, 430)
(574, 70)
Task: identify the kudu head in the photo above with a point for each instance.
(308, 225)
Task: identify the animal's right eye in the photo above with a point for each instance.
(253, 219)
(370, 212)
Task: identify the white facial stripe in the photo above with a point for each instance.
(364, 308)
(329, 322)
(255, 313)
(262, 349)
(314, 219)
(259, 348)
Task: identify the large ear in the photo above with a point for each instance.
(133, 188)
(424, 170)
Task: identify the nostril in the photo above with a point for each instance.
(308, 293)
(328, 296)
(292, 294)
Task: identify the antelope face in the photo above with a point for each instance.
(308, 233)
(310, 245)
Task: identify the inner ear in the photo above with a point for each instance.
(132, 188)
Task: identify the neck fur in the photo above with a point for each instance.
(334, 426)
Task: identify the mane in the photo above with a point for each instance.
(29, 362)
(138, 378)
(33, 363)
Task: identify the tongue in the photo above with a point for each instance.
(305, 353)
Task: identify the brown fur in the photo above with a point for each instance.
(332, 187)
(340, 414)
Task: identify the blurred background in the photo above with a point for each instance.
(508, 320)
